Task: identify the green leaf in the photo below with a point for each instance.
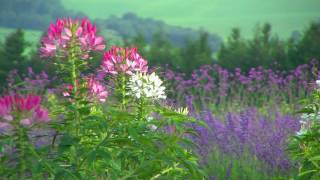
(315, 158)
(307, 172)
(84, 111)
(67, 141)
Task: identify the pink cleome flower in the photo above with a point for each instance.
(120, 60)
(97, 90)
(60, 34)
(27, 107)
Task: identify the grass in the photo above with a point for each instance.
(247, 166)
(217, 16)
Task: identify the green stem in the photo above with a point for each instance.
(74, 78)
(123, 91)
(165, 171)
(75, 89)
(36, 155)
(94, 149)
(21, 147)
(141, 109)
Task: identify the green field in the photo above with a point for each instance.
(217, 16)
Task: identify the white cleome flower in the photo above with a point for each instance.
(152, 127)
(307, 121)
(318, 83)
(146, 86)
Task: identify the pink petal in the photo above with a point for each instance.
(100, 47)
(68, 32)
(26, 122)
(98, 40)
(79, 31)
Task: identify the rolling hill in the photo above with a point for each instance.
(217, 16)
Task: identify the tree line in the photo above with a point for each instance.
(264, 49)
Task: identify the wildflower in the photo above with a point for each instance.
(60, 34)
(302, 132)
(150, 126)
(97, 90)
(68, 90)
(306, 122)
(318, 83)
(41, 114)
(5, 127)
(119, 60)
(28, 107)
(146, 86)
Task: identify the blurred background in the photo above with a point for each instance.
(277, 34)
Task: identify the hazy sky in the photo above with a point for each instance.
(217, 16)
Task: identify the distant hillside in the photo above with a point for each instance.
(37, 14)
(31, 14)
(130, 25)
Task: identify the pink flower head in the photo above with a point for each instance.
(5, 106)
(120, 60)
(28, 107)
(26, 103)
(41, 115)
(5, 127)
(68, 88)
(26, 122)
(97, 90)
(60, 34)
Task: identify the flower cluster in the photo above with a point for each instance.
(120, 60)
(264, 136)
(26, 108)
(65, 30)
(97, 90)
(33, 83)
(307, 121)
(216, 84)
(146, 86)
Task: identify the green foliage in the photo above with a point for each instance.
(115, 143)
(305, 145)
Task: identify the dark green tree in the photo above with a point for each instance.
(308, 47)
(139, 42)
(233, 53)
(12, 54)
(162, 53)
(196, 53)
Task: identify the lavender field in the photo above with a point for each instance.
(251, 117)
